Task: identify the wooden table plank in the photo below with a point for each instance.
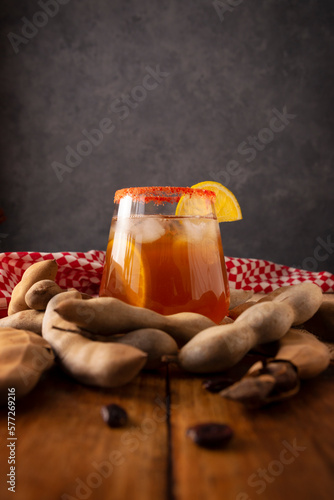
(64, 448)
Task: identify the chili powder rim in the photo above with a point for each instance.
(162, 194)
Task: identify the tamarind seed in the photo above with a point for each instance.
(210, 435)
(114, 415)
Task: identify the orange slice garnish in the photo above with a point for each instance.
(226, 205)
(126, 272)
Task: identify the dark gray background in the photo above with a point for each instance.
(227, 73)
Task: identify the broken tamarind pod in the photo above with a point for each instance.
(322, 322)
(308, 354)
(238, 297)
(29, 319)
(221, 347)
(108, 316)
(300, 356)
(155, 343)
(24, 356)
(271, 382)
(93, 363)
(39, 294)
(45, 269)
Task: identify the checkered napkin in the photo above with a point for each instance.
(83, 271)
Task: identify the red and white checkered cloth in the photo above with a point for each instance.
(83, 271)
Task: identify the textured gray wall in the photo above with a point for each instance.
(229, 69)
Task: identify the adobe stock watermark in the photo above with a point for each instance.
(321, 253)
(122, 107)
(253, 145)
(227, 6)
(30, 28)
(131, 440)
(260, 479)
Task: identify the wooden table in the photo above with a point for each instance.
(64, 450)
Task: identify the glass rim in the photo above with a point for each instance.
(162, 194)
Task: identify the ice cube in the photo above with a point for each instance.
(200, 230)
(148, 230)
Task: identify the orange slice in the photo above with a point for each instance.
(126, 271)
(226, 205)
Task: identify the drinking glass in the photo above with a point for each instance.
(165, 252)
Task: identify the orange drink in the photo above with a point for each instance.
(158, 257)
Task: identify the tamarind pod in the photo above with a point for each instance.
(24, 356)
(235, 312)
(322, 322)
(39, 294)
(220, 347)
(29, 319)
(305, 299)
(238, 297)
(92, 363)
(155, 343)
(45, 269)
(108, 316)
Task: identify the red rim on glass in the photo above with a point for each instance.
(162, 194)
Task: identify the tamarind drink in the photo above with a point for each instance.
(166, 262)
